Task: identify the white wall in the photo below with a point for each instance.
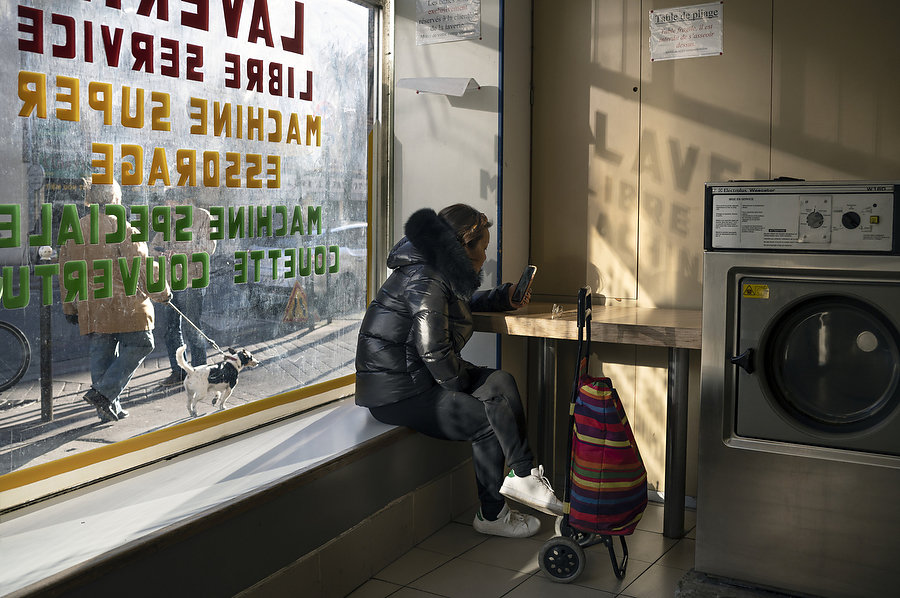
(446, 148)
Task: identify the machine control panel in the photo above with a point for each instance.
(838, 217)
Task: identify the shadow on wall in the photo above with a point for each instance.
(803, 107)
(622, 147)
(486, 98)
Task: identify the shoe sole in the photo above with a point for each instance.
(489, 532)
(527, 500)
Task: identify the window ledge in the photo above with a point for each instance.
(193, 489)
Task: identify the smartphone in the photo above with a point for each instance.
(524, 283)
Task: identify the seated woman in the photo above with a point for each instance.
(409, 371)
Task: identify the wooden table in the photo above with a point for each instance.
(676, 329)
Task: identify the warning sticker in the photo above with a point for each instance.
(756, 291)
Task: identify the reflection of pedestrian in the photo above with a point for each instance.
(188, 301)
(118, 325)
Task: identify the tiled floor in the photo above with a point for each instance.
(458, 562)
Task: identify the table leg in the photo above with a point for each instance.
(676, 442)
(546, 430)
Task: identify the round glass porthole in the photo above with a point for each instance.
(833, 364)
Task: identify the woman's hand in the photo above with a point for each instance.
(523, 302)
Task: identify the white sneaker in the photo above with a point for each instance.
(533, 490)
(509, 524)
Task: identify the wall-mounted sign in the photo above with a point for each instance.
(447, 21)
(686, 32)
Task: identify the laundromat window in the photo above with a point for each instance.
(200, 162)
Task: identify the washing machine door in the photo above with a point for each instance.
(825, 369)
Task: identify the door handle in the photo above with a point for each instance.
(744, 361)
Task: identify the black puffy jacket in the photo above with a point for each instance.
(413, 331)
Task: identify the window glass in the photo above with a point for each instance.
(236, 136)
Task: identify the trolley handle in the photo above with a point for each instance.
(583, 320)
(584, 307)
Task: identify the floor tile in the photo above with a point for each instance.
(598, 573)
(466, 579)
(516, 554)
(453, 539)
(538, 586)
(680, 556)
(690, 519)
(412, 565)
(652, 520)
(467, 516)
(412, 593)
(374, 588)
(432, 504)
(548, 525)
(642, 546)
(656, 582)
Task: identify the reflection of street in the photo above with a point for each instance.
(293, 359)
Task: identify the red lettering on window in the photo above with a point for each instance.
(199, 19)
(295, 44)
(259, 24)
(112, 46)
(232, 16)
(194, 54)
(142, 50)
(35, 28)
(232, 68)
(162, 9)
(254, 74)
(67, 49)
(168, 57)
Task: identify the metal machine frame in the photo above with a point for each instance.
(808, 519)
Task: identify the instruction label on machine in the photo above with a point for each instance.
(754, 221)
(816, 220)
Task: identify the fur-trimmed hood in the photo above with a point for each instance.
(412, 336)
(430, 240)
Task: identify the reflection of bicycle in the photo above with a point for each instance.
(14, 356)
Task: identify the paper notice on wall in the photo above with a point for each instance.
(686, 32)
(447, 21)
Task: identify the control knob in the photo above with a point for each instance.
(850, 220)
(815, 219)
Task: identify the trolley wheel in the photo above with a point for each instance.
(562, 559)
(15, 357)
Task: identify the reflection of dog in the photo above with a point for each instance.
(213, 381)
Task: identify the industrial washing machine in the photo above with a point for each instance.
(799, 466)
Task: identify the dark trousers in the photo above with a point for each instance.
(190, 302)
(490, 416)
